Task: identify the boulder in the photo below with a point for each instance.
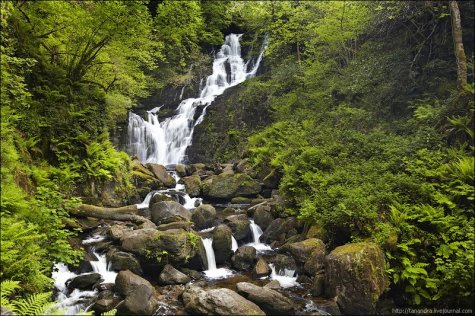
(311, 251)
(161, 173)
(318, 285)
(222, 243)
(227, 186)
(192, 185)
(120, 260)
(181, 170)
(278, 230)
(84, 281)
(261, 269)
(244, 258)
(156, 198)
(116, 232)
(142, 301)
(171, 276)
(272, 179)
(274, 284)
(317, 231)
(270, 301)
(127, 282)
(240, 226)
(220, 301)
(105, 301)
(282, 262)
(355, 274)
(262, 216)
(203, 216)
(175, 246)
(169, 211)
(240, 200)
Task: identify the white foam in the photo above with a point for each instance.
(286, 277)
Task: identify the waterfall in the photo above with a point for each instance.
(100, 266)
(166, 142)
(146, 201)
(234, 244)
(213, 272)
(286, 277)
(256, 234)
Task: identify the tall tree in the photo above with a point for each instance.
(458, 45)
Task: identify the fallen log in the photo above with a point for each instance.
(125, 213)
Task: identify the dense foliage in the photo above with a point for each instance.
(371, 136)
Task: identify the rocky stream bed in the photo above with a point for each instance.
(214, 240)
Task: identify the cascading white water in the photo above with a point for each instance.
(213, 272)
(166, 142)
(256, 234)
(286, 277)
(234, 244)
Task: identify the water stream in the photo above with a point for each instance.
(256, 234)
(213, 272)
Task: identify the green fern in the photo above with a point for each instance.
(112, 312)
(35, 304)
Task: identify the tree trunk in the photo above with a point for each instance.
(458, 45)
(125, 213)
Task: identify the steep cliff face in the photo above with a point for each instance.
(233, 116)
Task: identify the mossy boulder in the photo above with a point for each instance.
(181, 170)
(317, 231)
(175, 246)
(310, 252)
(192, 185)
(244, 258)
(280, 229)
(120, 261)
(168, 212)
(222, 243)
(140, 295)
(240, 226)
(161, 173)
(203, 216)
(227, 186)
(270, 301)
(171, 276)
(263, 216)
(355, 275)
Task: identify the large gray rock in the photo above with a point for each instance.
(84, 281)
(356, 276)
(310, 252)
(282, 262)
(261, 269)
(203, 216)
(105, 301)
(181, 170)
(171, 276)
(222, 242)
(161, 173)
(240, 226)
(244, 258)
(270, 301)
(227, 186)
(169, 211)
(218, 302)
(192, 185)
(175, 246)
(279, 229)
(140, 295)
(120, 260)
(262, 216)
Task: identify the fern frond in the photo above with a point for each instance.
(35, 304)
(110, 313)
(8, 287)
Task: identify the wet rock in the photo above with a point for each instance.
(240, 226)
(156, 198)
(355, 275)
(176, 225)
(195, 275)
(220, 301)
(105, 302)
(278, 229)
(270, 301)
(181, 170)
(203, 216)
(262, 216)
(227, 169)
(84, 281)
(240, 200)
(274, 284)
(317, 231)
(120, 260)
(310, 251)
(261, 269)
(171, 276)
(222, 243)
(192, 185)
(140, 295)
(244, 258)
(176, 245)
(169, 211)
(282, 262)
(161, 173)
(318, 285)
(104, 287)
(227, 186)
(116, 232)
